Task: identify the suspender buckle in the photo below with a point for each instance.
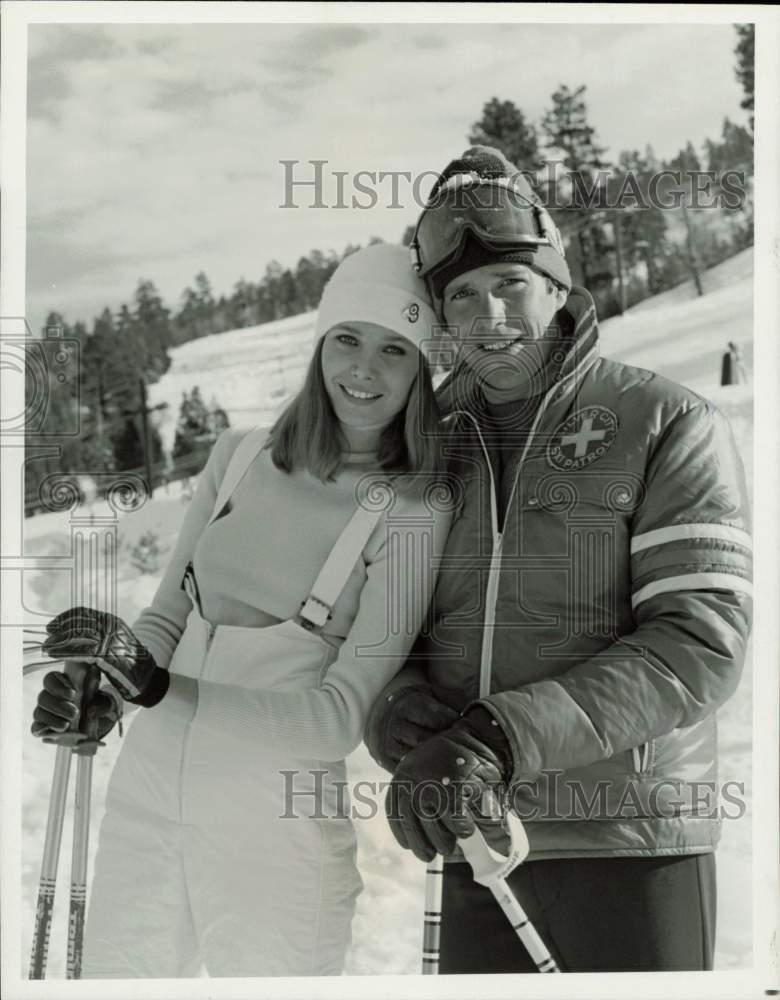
(314, 614)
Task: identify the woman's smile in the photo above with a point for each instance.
(356, 395)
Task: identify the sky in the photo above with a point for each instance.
(154, 151)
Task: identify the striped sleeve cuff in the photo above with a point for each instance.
(693, 556)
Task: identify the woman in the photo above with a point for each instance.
(300, 578)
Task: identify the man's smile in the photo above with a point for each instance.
(501, 345)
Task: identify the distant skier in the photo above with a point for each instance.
(595, 589)
(299, 580)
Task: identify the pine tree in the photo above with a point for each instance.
(573, 140)
(242, 305)
(50, 407)
(128, 446)
(196, 431)
(733, 152)
(198, 411)
(688, 164)
(205, 302)
(218, 419)
(271, 286)
(120, 359)
(244, 298)
(504, 126)
(152, 319)
(567, 129)
(287, 291)
(188, 323)
(96, 449)
(642, 224)
(307, 280)
(745, 68)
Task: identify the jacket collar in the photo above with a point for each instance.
(458, 393)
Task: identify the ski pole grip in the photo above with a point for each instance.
(488, 866)
(86, 678)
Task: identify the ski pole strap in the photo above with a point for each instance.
(488, 865)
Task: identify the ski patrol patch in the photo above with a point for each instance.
(583, 438)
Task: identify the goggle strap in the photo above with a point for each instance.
(548, 228)
(473, 179)
(414, 253)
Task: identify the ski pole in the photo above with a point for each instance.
(84, 743)
(87, 678)
(49, 865)
(78, 873)
(491, 869)
(434, 877)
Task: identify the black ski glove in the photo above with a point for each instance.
(101, 638)
(59, 710)
(437, 791)
(402, 720)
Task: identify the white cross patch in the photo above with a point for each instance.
(584, 437)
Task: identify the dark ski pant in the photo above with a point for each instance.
(625, 914)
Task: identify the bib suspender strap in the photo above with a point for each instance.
(332, 578)
(316, 609)
(245, 453)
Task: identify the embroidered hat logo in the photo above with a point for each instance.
(412, 312)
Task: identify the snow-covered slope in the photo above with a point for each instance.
(251, 372)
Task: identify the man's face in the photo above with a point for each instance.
(499, 314)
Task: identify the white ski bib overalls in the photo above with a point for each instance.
(217, 849)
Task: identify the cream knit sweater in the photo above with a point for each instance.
(262, 555)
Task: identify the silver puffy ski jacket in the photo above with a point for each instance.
(609, 616)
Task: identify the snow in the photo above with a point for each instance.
(251, 372)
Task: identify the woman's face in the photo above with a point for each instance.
(368, 371)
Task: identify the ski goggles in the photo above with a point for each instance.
(499, 215)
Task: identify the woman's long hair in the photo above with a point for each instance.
(308, 434)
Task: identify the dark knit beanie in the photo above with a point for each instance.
(491, 164)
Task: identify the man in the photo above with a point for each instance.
(591, 614)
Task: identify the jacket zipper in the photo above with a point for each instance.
(491, 593)
(641, 757)
(493, 577)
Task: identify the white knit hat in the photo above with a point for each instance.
(378, 285)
